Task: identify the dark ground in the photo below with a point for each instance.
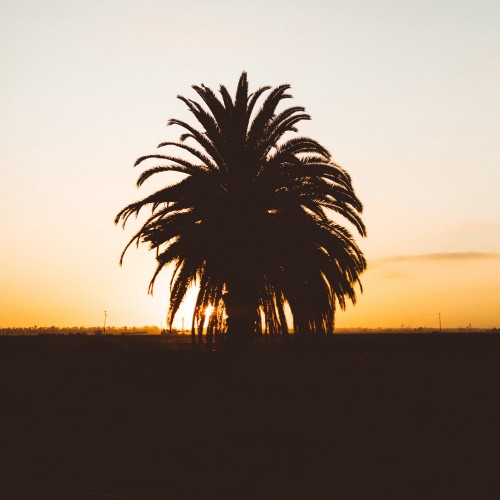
(372, 416)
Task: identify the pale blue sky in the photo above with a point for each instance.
(404, 94)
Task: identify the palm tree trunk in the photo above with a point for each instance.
(241, 309)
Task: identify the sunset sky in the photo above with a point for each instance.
(405, 95)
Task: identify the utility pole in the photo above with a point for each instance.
(439, 314)
(105, 316)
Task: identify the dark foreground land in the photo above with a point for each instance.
(362, 417)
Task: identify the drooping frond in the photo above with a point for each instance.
(252, 100)
(214, 105)
(201, 138)
(266, 113)
(207, 161)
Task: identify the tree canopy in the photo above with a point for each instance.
(253, 221)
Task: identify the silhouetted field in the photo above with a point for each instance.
(359, 417)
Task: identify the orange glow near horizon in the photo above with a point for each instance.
(397, 293)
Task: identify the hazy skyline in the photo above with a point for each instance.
(404, 95)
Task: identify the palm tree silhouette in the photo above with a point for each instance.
(251, 220)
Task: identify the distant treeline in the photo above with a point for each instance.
(155, 330)
(82, 330)
(420, 329)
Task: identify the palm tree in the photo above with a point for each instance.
(251, 220)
